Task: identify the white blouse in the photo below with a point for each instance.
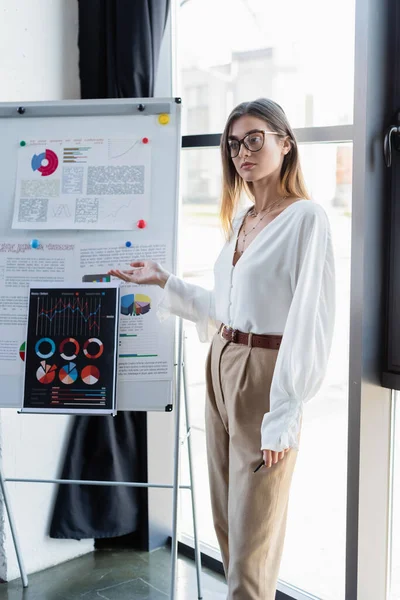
(284, 283)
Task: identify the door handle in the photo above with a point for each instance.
(392, 134)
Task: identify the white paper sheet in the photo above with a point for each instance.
(21, 265)
(144, 346)
(92, 183)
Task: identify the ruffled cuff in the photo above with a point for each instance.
(165, 306)
(276, 437)
(207, 329)
(189, 302)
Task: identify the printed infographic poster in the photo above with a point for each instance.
(72, 349)
(82, 183)
(144, 354)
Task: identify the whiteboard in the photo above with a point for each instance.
(106, 119)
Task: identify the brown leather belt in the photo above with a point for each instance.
(250, 339)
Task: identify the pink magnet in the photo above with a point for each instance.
(141, 223)
(145, 140)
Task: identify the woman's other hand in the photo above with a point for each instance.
(143, 272)
(271, 457)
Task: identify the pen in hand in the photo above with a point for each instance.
(259, 467)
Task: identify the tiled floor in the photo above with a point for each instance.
(116, 575)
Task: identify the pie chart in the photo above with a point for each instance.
(93, 348)
(46, 162)
(69, 348)
(68, 374)
(90, 375)
(45, 348)
(46, 373)
(135, 304)
(22, 351)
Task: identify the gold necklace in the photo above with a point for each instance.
(268, 210)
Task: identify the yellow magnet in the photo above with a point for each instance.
(163, 119)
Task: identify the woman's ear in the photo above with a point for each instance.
(287, 145)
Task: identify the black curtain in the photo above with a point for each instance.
(119, 45)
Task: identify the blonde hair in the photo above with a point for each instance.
(291, 176)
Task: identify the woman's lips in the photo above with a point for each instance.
(247, 166)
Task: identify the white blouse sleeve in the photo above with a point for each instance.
(190, 302)
(307, 337)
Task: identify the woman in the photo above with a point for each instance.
(273, 308)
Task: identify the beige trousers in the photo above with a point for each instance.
(249, 509)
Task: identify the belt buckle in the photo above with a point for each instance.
(232, 333)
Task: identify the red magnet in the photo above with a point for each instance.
(141, 224)
(145, 140)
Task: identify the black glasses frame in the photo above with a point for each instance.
(243, 141)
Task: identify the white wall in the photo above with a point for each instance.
(38, 61)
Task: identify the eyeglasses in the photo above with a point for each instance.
(253, 141)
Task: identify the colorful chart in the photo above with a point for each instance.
(43, 342)
(75, 315)
(135, 304)
(142, 304)
(93, 348)
(69, 349)
(97, 278)
(68, 374)
(90, 375)
(46, 373)
(49, 158)
(71, 342)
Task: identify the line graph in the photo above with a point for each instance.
(120, 147)
(61, 211)
(69, 315)
(106, 214)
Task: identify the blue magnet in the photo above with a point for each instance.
(35, 243)
(128, 244)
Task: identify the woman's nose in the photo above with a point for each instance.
(243, 151)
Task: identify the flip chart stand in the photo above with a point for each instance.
(175, 486)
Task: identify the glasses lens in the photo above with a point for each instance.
(254, 141)
(233, 146)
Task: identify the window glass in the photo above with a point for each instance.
(300, 54)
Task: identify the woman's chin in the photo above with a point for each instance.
(249, 177)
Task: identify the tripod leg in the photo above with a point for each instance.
(191, 475)
(178, 395)
(7, 503)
